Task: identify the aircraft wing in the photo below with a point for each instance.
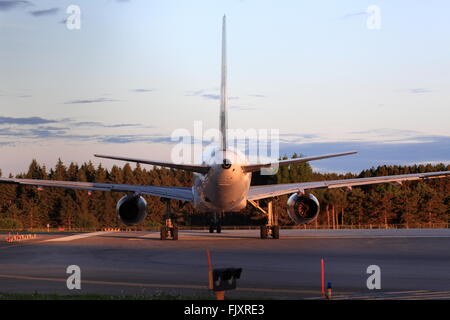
(178, 193)
(261, 192)
(187, 167)
(257, 167)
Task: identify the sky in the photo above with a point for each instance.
(331, 76)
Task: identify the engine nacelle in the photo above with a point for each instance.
(303, 209)
(131, 210)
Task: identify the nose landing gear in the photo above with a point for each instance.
(215, 224)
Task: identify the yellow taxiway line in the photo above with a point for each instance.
(158, 285)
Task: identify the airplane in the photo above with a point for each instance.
(222, 183)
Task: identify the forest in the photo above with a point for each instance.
(412, 204)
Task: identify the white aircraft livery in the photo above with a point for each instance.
(222, 183)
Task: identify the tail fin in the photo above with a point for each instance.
(223, 88)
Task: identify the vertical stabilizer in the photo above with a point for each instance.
(223, 88)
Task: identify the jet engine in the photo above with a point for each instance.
(131, 210)
(303, 209)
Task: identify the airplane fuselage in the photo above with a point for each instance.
(225, 186)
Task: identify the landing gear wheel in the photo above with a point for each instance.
(215, 223)
(264, 232)
(276, 232)
(163, 233)
(174, 232)
(168, 230)
(218, 229)
(169, 233)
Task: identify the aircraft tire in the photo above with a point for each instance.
(175, 233)
(276, 232)
(264, 232)
(163, 233)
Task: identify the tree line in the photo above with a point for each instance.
(412, 203)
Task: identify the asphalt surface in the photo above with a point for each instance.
(415, 264)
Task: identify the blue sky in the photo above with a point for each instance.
(139, 69)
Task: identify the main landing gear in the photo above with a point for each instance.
(215, 224)
(169, 230)
(271, 229)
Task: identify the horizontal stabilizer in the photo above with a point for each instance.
(187, 167)
(257, 167)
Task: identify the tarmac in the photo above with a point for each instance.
(414, 263)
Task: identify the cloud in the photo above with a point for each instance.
(142, 90)
(375, 147)
(194, 93)
(29, 130)
(98, 100)
(47, 132)
(382, 136)
(207, 94)
(32, 130)
(25, 121)
(99, 124)
(387, 132)
(33, 121)
(8, 5)
(46, 12)
(154, 138)
(300, 135)
(433, 149)
(211, 96)
(123, 139)
(419, 90)
(355, 14)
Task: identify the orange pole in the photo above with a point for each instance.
(322, 263)
(210, 273)
(220, 295)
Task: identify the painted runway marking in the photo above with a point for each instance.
(159, 285)
(111, 283)
(145, 236)
(79, 236)
(150, 235)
